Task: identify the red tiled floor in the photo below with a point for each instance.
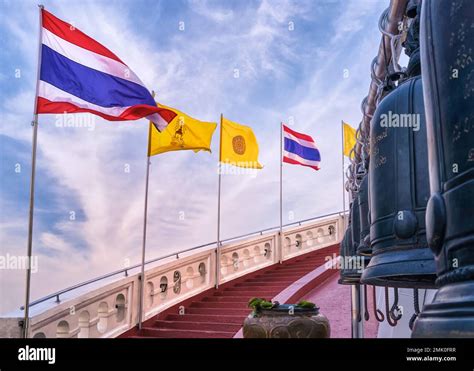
(334, 301)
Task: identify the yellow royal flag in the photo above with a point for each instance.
(239, 146)
(182, 133)
(349, 138)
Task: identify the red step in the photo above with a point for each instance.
(305, 265)
(224, 305)
(203, 326)
(292, 274)
(280, 276)
(218, 311)
(276, 274)
(293, 270)
(221, 318)
(177, 333)
(267, 285)
(252, 293)
(227, 299)
(278, 281)
(247, 288)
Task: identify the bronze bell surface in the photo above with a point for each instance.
(364, 239)
(398, 184)
(447, 55)
(344, 276)
(355, 225)
(348, 276)
(352, 265)
(399, 191)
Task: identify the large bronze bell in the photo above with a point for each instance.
(344, 278)
(351, 270)
(447, 55)
(355, 226)
(399, 191)
(364, 240)
(398, 184)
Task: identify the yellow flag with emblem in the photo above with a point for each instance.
(239, 145)
(182, 133)
(349, 138)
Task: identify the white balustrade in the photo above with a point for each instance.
(112, 309)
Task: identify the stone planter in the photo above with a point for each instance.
(284, 322)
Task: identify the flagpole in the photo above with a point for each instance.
(343, 189)
(281, 192)
(145, 216)
(34, 123)
(218, 247)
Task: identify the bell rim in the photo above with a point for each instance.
(449, 315)
(418, 263)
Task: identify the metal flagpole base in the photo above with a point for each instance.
(357, 310)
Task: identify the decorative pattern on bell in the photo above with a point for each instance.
(447, 56)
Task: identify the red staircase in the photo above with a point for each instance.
(220, 313)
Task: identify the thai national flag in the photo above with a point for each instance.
(300, 149)
(78, 74)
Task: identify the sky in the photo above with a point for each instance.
(259, 63)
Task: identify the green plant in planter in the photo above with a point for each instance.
(257, 304)
(275, 320)
(306, 304)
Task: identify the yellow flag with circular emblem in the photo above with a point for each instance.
(239, 145)
(182, 133)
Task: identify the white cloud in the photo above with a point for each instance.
(210, 10)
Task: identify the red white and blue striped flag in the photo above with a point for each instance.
(300, 149)
(78, 74)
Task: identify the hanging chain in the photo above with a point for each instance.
(395, 311)
(416, 305)
(377, 312)
(366, 305)
(391, 321)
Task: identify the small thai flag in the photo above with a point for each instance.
(77, 74)
(300, 149)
